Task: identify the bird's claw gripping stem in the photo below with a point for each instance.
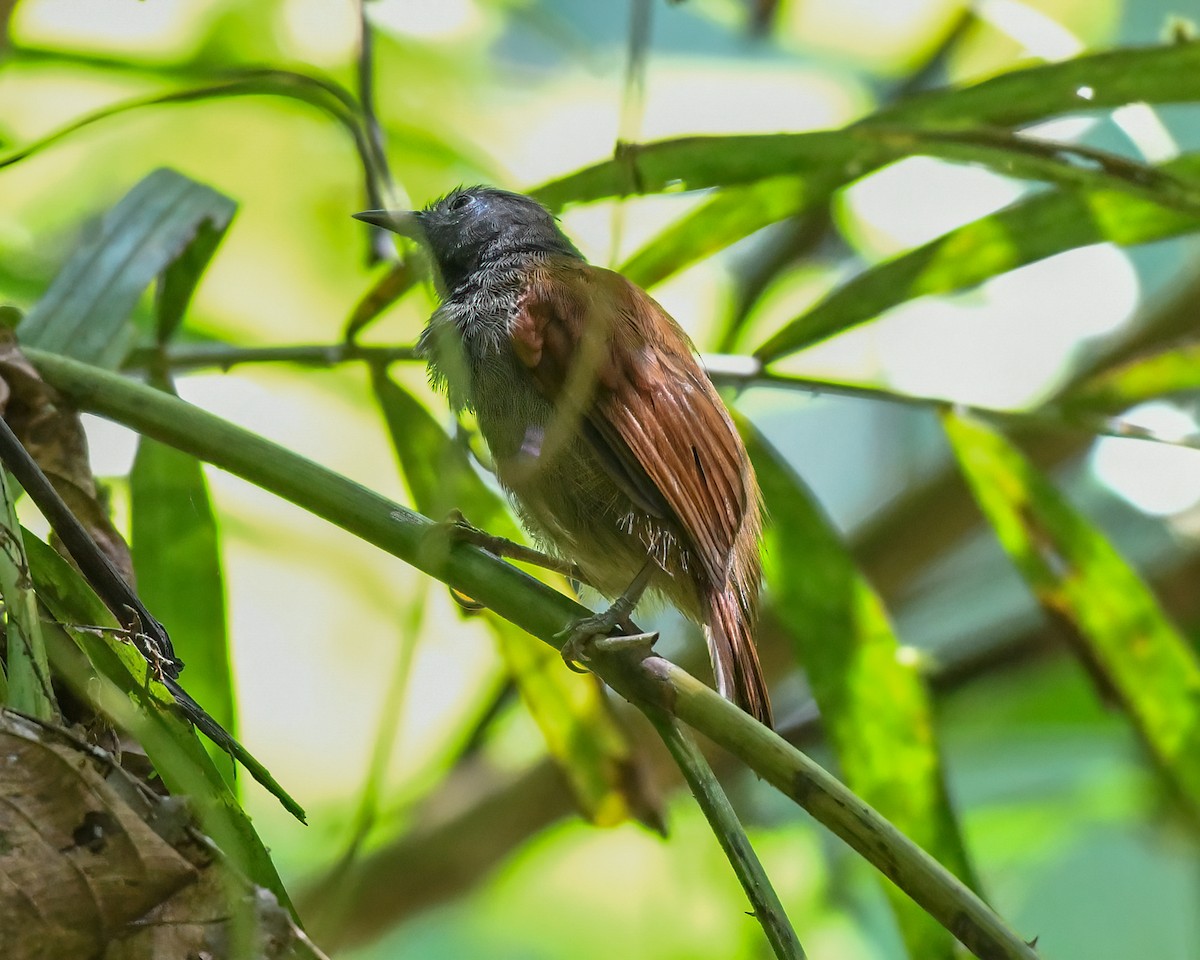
(593, 633)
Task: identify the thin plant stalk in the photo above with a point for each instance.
(724, 823)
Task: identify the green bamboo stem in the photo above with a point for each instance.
(941, 894)
(543, 612)
(724, 823)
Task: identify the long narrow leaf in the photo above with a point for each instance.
(571, 710)
(172, 745)
(1169, 74)
(872, 700)
(1028, 231)
(1171, 371)
(177, 559)
(840, 156)
(1081, 581)
(1152, 74)
(176, 553)
(85, 312)
(934, 124)
(730, 216)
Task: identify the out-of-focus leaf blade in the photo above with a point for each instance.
(580, 731)
(1170, 371)
(836, 157)
(172, 745)
(1023, 233)
(1152, 74)
(873, 702)
(436, 471)
(1169, 74)
(85, 312)
(1081, 581)
(570, 709)
(390, 287)
(829, 159)
(176, 555)
(178, 282)
(729, 216)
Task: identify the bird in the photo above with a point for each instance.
(605, 432)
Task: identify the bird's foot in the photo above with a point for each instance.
(591, 634)
(458, 529)
(440, 536)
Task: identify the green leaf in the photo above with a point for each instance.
(580, 730)
(729, 216)
(826, 160)
(127, 691)
(1170, 371)
(85, 312)
(873, 702)
(28, 689)
(1031, 230)
(178, 282)
(1081, 581)
(1152, 74)
(177, 559)
(1169, 74)
(436, 470)
(386, 290)
(570, 709)
(834, 158)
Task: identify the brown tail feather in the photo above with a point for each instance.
(734, 657)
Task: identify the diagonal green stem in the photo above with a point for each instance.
(728, 829)
(545, 613)
(942, 895)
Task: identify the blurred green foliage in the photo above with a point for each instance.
(1003, 275)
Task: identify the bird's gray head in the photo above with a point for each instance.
(472, 227)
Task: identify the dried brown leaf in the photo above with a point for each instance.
(93, 864)
(53, 434)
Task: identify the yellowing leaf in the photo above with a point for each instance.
(1081, 580)
(873, 702)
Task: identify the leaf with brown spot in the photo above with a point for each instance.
(92, 862)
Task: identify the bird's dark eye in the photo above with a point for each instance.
(460, 201)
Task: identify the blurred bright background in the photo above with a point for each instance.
(1065, 821)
